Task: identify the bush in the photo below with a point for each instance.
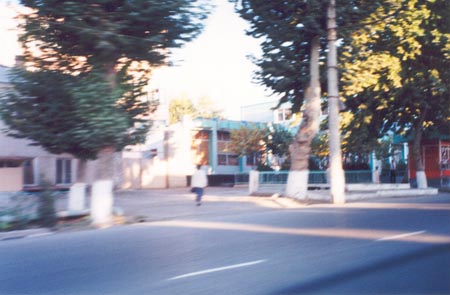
(18, 213)
(264, 167)
(46, 207)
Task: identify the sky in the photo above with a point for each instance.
(214, 65)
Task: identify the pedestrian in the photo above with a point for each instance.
(198, 183)
(393, 171)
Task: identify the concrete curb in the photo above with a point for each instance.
(26, 233)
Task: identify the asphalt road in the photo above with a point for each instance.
(400, 246)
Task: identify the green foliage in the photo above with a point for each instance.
(286, 29)
(204, 108)
(264, 167)
(18, 212)
(79, 115)
(396, 73)
(248, 140)
(278, 139)
(85, 65)
(76, 35)
(46, 210)
(180, 107)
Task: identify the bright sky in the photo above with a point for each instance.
(215, 65)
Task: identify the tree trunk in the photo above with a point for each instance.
(421, 177)
(81, 171)
(104, 166)
(300, 149)
(337, 178)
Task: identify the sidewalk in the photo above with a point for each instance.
(167, 204)
(164, 204)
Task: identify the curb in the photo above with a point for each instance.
(26, 233)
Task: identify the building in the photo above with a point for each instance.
(171, 153)
(264, 112)
(436, 157)
(25, 166)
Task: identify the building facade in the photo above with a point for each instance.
(24, 165)
(436, 157)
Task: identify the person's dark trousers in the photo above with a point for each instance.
(199, 192)
(393, 176)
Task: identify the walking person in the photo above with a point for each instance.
(198, 183)
(393, 172)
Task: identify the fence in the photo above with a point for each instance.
(319, 177)
(315, 177)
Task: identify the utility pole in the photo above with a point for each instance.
(337, 177)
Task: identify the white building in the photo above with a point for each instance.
(23, 165)
(265, 112)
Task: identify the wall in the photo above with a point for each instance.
(11, 179)
(168, 167)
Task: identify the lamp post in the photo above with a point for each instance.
(337, 177)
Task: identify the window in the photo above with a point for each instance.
(284, 114)
(253, 159)
(9, 163)
(28, 172)
(63, 171)
(224, 156)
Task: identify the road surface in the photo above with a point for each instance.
(399, 246)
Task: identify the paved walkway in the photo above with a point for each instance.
(166, 204)
(162, 204)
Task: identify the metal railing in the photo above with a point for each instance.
(358, 176)
(273, 177)
(318, 177)
(315, 177)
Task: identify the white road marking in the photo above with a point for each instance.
(197, 273)
(396, 237)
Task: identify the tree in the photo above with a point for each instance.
(292, 32)
(180, 107)
(204, 108)
(100, 53)
(255, 141)
(207, 108)
(278, 139)
(397, 76)
(65, 118)
(248, 140)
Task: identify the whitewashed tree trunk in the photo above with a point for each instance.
(104, 169)
(102, 201)
(421, 177)
(337, 177)
(300, 149)
(81, 171)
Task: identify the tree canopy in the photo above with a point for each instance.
(393, 56)
(80, 87)
(287, 29)
(77, 35)
(257, 141)
(204, 108)
(396, 75)
(79, 115)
